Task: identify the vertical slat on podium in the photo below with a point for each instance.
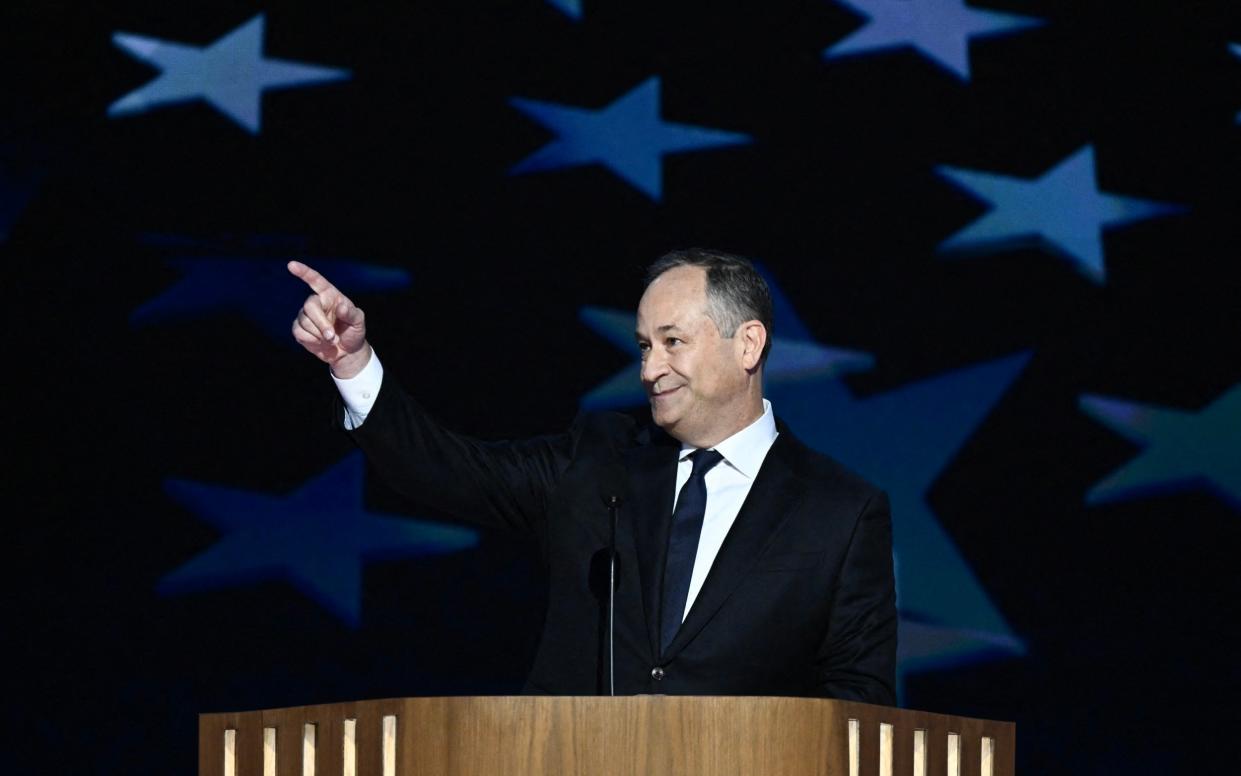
(370, 734)
(1005, 748)
(936, 745)
(370, 740)
(211, 729)
(250, 743)
(288, 725)
(904, 726)
(869, 745)
(971, 746)
(329, 731)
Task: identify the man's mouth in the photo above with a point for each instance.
(666, 392)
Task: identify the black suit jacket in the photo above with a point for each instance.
(800, 600)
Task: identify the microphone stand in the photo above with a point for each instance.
(613, 502)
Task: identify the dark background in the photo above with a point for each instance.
(1126, 611)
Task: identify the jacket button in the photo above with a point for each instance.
(657, 673)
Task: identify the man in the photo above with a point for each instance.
(749, 564)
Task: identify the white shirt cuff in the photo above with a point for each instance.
(359, 391)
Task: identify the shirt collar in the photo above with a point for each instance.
(746, 449)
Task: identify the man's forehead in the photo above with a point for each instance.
(687, 322)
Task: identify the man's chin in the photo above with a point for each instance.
(665, 420)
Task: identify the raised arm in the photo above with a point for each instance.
(494, 484)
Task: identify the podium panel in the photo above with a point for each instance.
(652, 735)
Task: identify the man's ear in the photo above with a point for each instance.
(751, 337)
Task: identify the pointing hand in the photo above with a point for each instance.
(330, 326)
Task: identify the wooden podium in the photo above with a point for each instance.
(647, 734)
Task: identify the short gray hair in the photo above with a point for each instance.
(736, 293)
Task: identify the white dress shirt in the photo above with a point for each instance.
(359, 391)
(728, 482)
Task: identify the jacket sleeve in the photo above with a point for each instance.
(857, 658)
(492, 484)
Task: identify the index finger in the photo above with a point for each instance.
(312, 278)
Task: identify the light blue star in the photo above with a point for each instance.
(794, 355)
(1063, 207)
(316, 538)
(257, 288)
(627, 136)
(230, 74)
(939, 29)
(570, 8)
(902, 440)
(1182, 450)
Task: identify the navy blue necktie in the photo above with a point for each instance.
(683, 544)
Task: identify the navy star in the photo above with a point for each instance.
(939, 29)
(794, 354)
(317, 538)
(902, 439)
(256, 288)
(1181, 450)
(230, 74)
(1063, 208)
(627, 136)
(15, 192)
(570, 8)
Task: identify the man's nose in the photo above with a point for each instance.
(654, 366)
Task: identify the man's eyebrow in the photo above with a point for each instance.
(667, 327)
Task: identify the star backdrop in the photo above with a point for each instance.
(1003, 237)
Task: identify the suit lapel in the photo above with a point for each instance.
(771, 499)
(652, 477)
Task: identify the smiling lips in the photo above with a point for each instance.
(657, 394)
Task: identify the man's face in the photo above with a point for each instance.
(694, 377)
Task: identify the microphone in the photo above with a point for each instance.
(611, 490)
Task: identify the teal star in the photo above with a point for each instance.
(1181, 450)
(627, 136)
(1064, 207)
(316, 538)
(230, 74)
(903, 439)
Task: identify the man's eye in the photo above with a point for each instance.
(672, 341)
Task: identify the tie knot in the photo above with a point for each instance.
(704, 461)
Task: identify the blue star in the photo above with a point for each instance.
(1181, 450)
(1063, 207)
(257, 288)
(903, 440)
(230, 74)
(939, 29)
(316, 538)
(570, 8)
(794, 355)
(627, 136)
